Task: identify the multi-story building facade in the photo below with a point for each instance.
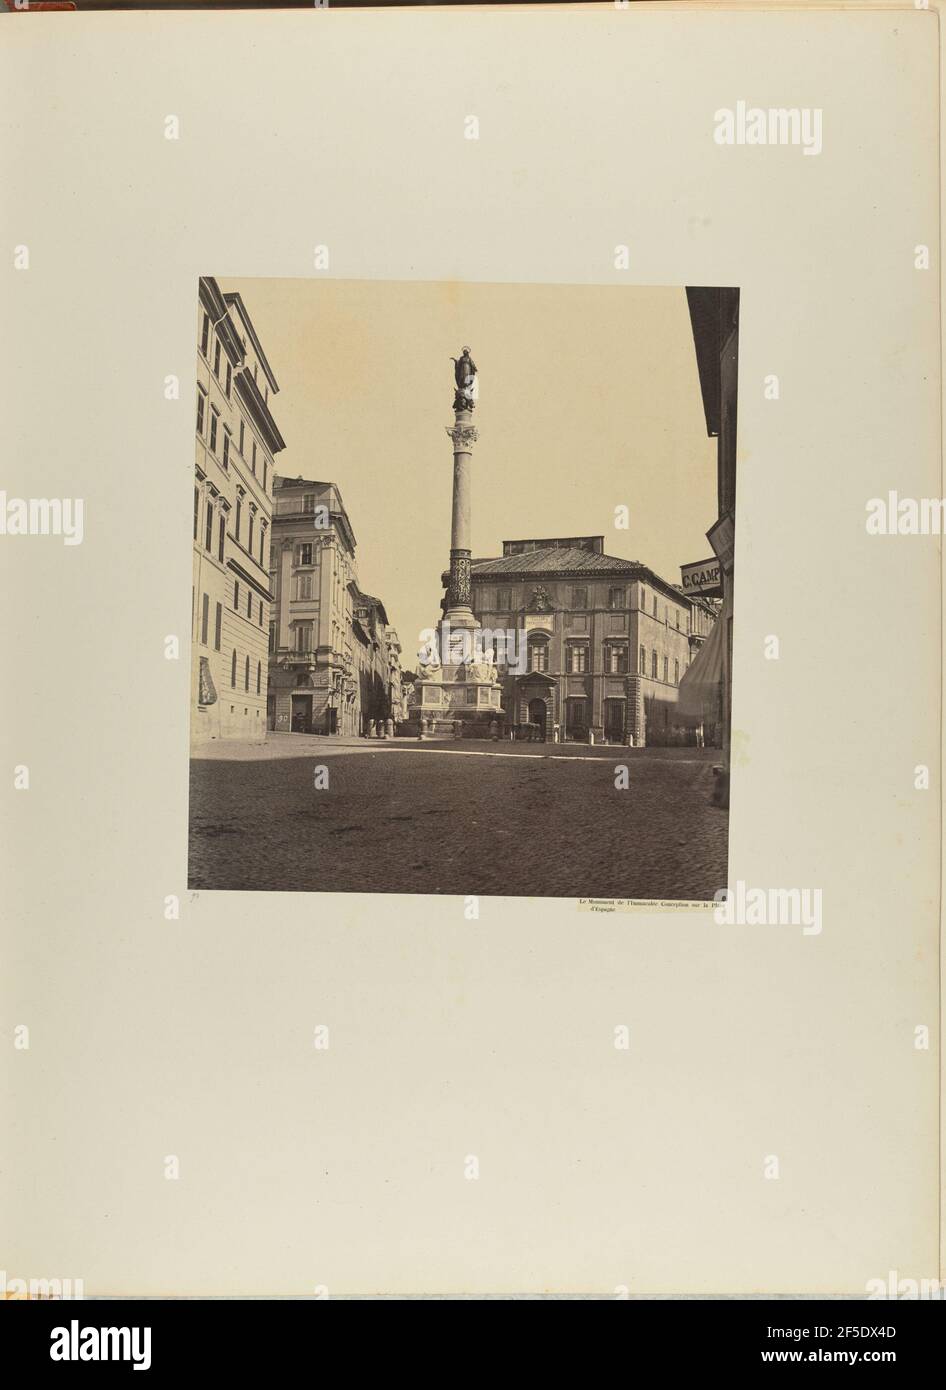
(373, 660)
(607, 639)
(237, 440)
(328, 641)
(714, 316)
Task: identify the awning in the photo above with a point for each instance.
(207, 694)
(700, 698)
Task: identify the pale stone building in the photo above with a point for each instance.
(237, 440)
(396, 695)
(373, 661)
(331, 647)
(313, 685)
(607, 641)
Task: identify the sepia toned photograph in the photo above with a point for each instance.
(462, 588)
(462, 890)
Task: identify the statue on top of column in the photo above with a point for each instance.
(464, 373)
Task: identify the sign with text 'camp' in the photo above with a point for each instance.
(702, 577)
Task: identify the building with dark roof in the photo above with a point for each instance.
(606, 640)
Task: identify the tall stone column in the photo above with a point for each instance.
(457, 690)
(459, 613)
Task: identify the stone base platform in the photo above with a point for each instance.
(472, 723)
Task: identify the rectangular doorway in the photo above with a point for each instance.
(576, 720)
(614, 720)
(301, 714)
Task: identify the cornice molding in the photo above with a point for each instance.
(259, 409)
(250, 579)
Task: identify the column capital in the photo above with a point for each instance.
(463, 436)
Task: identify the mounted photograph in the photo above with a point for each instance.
(462, 588)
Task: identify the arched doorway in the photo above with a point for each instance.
(538, 714)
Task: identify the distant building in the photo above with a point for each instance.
(237, 441)
(330, 644)
(607, 639)
(396, 695)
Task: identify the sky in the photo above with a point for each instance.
(588, 399)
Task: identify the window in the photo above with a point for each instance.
(262, 538)
(305, 555)
(249, 542)
(303, 586)
(676, 618)
(196, 510)
(242, 434)
(226, 448)
(233, 671)
(236, 521)
(503, 599)
(579, 598)
(214, 419)
(261, 612)
(265, 465)
(259, 676)
(229, 381)
(643, 598)
(653, 665)
(303, 637)
(204, 334)
(217, 358)
(200, 412)
(655, 605)
(666, 668)
(308, 502)
(209, 527)
(615, 658)
(249, 605)
(204, 618)
(246, 674)
(272, 637)
(539, 655)
(577, 653)
(643, 662)
(616, 598)
(218, 626)
(254, 458)
(221, 535)
(236, 595)
(676, 672)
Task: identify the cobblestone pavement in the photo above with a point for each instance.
(456, 817)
